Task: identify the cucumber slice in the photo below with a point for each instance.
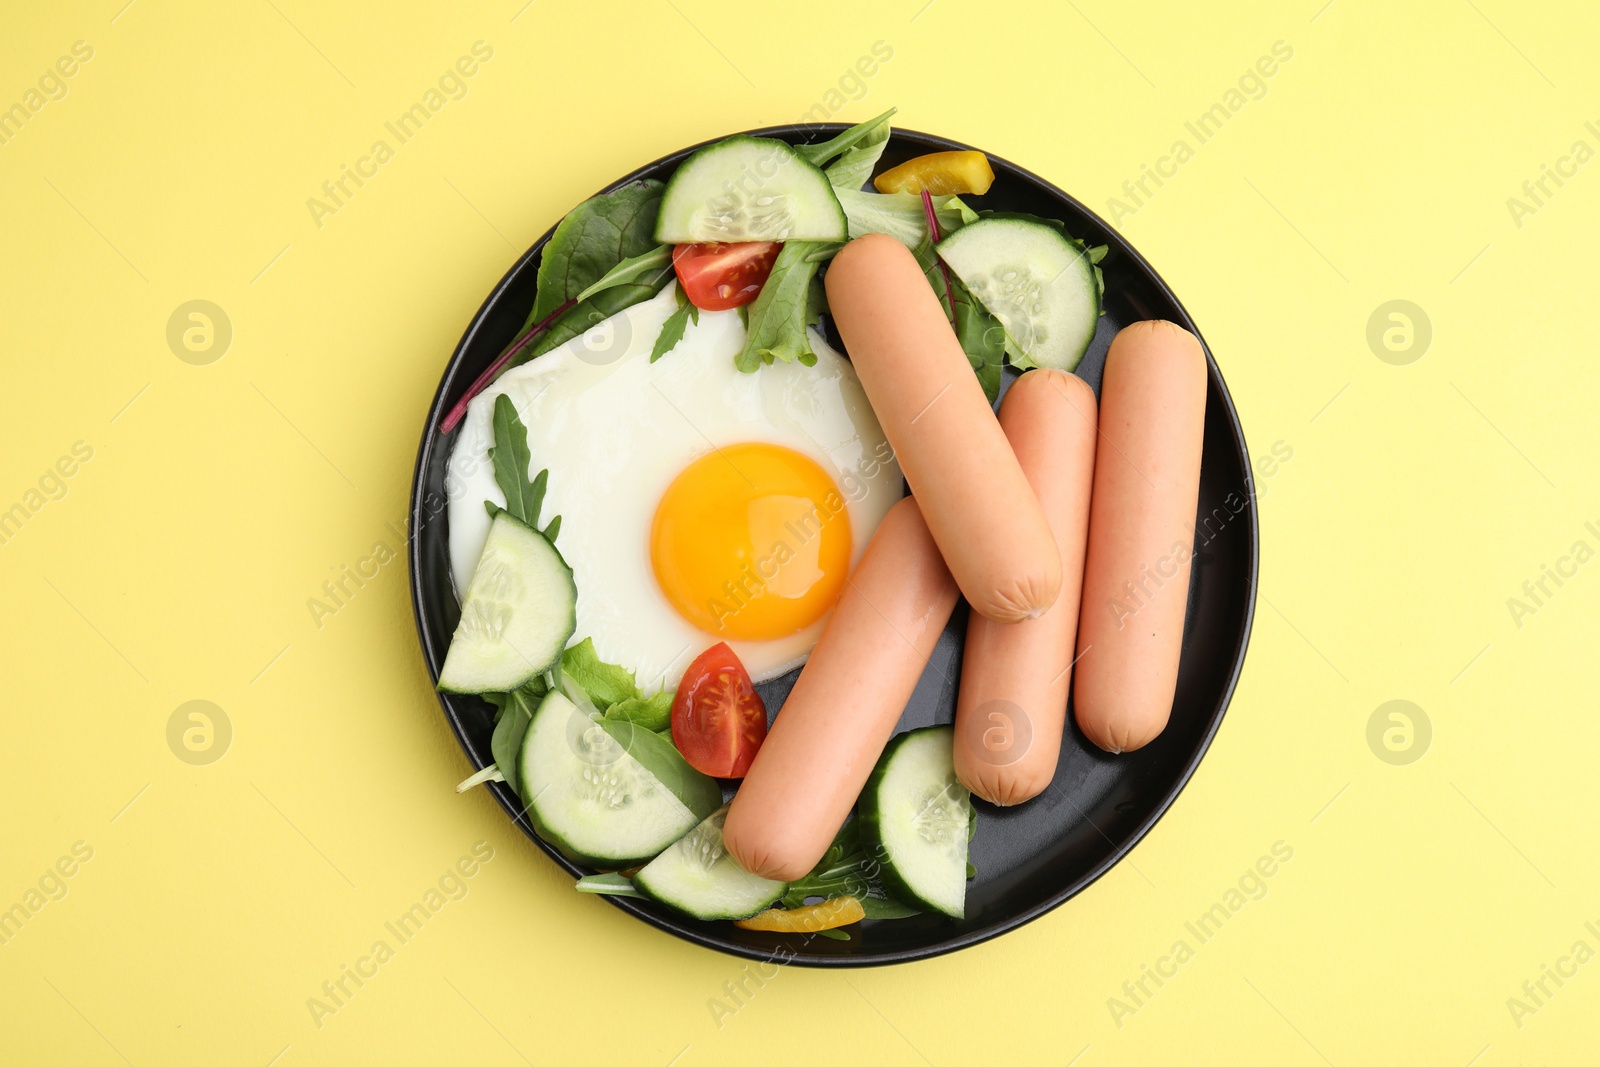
(915, 818)
(1036, 280)
(518, 613)
(749, 189)
(588, 796)
(698, 877)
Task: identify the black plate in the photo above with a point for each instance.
(1030, 858)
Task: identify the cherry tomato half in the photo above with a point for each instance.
(717, 277)
(718, 718)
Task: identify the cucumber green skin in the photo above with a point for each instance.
(869, 814)
(601, 863)
(572, 622)
(795, 159)
(680, 909)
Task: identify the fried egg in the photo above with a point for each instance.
(698, 504)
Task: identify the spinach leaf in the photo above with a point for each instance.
(645, 265)
(653, 713)
(982, 337)
(506, 744)
(593, 238)
(606, 683)
(511, 458)
(777, 322)
(672, 330)
(818, 155)
(590, 313)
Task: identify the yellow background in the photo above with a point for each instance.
(179, 562)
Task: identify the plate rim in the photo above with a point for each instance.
(415, 519)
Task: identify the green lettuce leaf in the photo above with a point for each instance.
(777, 320)
(819, 155)
(653, 713)
(606, 683)
(900, 215)
(854, 166)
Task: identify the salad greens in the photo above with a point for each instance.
(510, 456)
(510, 726)
(847, 869)
(672, 330)
(900, 215)
(777, 323)
(603, 258)
(594, 238)
(653, 713)
(980, 333)
(584, 316)
(854, 165)
(822, 153)
(649, 264)
(607, 686)
(606, 683)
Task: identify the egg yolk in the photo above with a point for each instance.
(751, 542)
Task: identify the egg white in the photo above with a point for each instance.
(615, 429)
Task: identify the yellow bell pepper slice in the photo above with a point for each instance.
(831, 913)
(940, 173)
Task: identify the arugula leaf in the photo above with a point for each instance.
(846, 869)
(672, 330)
(900, 215)
(511, 458)
(777, 321)
(606, 683)
(818, 155)
(592, 239)
(852, 169)
(644, 265)
(653, 713)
